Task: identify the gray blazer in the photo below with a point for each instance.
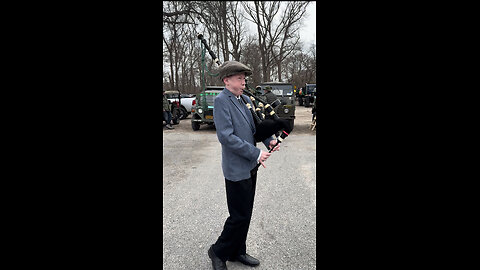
(235, 128)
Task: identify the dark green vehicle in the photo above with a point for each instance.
(306, 97)
(202, 110)
(284, 92)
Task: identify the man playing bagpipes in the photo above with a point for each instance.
(235, 127)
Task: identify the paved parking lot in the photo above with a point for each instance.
(282, 233)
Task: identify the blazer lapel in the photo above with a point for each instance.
(249, 115)
(237, 104)
(241, 107)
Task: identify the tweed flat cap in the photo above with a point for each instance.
(229, 68)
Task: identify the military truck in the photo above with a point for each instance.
(284, 92)
(202, 109)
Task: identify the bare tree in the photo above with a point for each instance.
(170, 38)
(213, 15)
(249, 57)
(288, 29)
(262, 14)
(183, 11)
(180, 48)
(276, 41)
(273, 52)
(235, 29)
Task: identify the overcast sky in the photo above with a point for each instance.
(307, 30)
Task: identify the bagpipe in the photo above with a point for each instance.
(265, 126)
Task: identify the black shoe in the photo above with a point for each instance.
(247, 260)
(217, 263)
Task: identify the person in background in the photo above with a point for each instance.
(269, 96)
(167, 115)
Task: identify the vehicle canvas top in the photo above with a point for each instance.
(172, 94)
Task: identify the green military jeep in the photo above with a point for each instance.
(202, 110)
(284, 92)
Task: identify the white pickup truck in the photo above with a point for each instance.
(186, 101)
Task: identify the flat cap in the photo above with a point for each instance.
(268, 88)
(229, 68)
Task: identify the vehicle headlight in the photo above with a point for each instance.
(286, 110)
(200, 110)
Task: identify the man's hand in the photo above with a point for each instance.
(272, 143)
(264, 157)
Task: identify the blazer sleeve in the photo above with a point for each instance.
(267, 141)
(224, 127)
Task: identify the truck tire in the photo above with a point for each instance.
(183, 113)
(176, 113)
(175, 121)
(292, 122)
(195, 126)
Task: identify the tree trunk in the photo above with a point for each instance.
(223, 6)
(175, 50)
(172, 85)
(279, 67)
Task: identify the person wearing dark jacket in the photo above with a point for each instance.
(167, 115)
(269, 96)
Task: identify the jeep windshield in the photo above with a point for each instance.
(285, 90)
(209, 96)
(311, 88)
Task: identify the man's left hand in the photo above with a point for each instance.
(272, 143)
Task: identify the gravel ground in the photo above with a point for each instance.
(282, 233)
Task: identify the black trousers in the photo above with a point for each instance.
(240, 195)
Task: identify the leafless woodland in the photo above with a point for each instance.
(273, 50)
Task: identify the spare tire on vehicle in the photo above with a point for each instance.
(176, 114)
(183, 114)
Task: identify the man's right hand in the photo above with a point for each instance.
(263, 157)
